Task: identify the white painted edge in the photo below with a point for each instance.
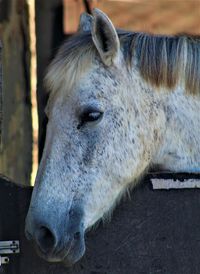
(175, 184)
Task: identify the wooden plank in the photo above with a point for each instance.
(16, 129)
(72, 11)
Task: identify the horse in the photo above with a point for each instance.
(119, 103)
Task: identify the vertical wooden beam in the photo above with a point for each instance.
(16, 127)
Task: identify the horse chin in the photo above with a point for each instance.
(69, 262)
(48, 257)
(74, 256)
(67, 258)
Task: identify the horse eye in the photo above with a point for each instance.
(90, 116)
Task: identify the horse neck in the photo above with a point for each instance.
(180, 147)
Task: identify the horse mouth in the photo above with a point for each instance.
(66, 256)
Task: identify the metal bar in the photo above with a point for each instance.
(172, 184)
(9, 247)
(4, 260)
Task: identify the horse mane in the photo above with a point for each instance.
(163, 61)
(169, 60)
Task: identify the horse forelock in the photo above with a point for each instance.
(163, 61)
(72, 59)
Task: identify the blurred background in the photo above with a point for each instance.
(30, 34)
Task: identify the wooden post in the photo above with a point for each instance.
(15, 100)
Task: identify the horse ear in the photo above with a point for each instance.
(105, 37)
(85, 23)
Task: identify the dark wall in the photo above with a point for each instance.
(15, 151)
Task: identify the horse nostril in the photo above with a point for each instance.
(45, 239)
(77, 235)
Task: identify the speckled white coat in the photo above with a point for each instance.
(92, 165)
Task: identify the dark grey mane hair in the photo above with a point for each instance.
(163, 61)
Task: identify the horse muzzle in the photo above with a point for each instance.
(56, 241)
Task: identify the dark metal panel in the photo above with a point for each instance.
(9, 221)
(154, 232)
